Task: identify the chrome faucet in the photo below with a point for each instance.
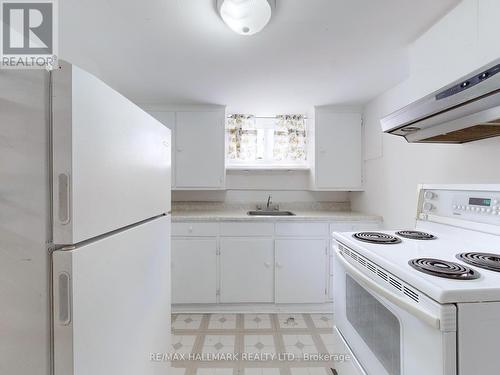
(269, 201)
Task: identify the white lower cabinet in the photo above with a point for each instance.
(246, 270)
(257, 262)
(301, 266)
(194, 270)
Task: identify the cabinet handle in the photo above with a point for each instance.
(279, 265)
(190, 229)
(267, 264)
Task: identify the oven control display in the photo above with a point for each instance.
(485, 202)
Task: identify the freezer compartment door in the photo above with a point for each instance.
(112, 303)
(111, 159)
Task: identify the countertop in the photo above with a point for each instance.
(193, 212)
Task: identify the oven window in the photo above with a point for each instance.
(378, 327)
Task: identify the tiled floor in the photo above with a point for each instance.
(251, 344)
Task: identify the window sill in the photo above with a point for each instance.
(268, 168)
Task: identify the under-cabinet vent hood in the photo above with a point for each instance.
(464, 111)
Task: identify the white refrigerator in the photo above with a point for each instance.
(84, 228)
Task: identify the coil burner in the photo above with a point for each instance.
(415, 235)
(443, 268)
(487, 261)
(376, 238)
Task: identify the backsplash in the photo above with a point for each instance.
(223, 206)
(260, 196)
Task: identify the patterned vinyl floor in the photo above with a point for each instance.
(201, 343)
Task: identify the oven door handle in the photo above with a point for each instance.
(430, 319)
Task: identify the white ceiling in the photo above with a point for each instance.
(313, 52)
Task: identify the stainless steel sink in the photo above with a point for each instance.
(270, 213)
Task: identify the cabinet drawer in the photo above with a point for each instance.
(302, 229)
(195, 229)
(246, 229)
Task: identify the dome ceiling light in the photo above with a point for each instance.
(246, 17)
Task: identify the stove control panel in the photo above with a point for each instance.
(479, 206)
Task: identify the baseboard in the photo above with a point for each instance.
(254, 308)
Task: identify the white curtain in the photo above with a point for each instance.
(241, 137)
(290, 138)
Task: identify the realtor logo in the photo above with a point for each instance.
(29, 37)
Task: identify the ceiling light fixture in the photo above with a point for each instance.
(246, 17)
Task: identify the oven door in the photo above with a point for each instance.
(388, 332)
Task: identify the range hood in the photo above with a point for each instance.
(464, 111)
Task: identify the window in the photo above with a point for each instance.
(266, 142)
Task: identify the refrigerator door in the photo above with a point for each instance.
(111, 160)
(112, 303)
(24, 224)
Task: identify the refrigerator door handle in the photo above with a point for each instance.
(64, 294)
(64, 196)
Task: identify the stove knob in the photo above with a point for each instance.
(455, 206)
(429, 195)
(495, 201)
(428, 206)
(483, 209)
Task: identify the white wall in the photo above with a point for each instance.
(462, 41)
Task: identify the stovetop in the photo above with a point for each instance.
(469, 282)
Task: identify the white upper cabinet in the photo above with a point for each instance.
(168, 119)
(198, 147)
(337, 151)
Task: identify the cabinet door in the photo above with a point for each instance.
(200, 150)
(194, 271)
(246, 270)
(168, 119)
(338, 150)
(301, 271)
